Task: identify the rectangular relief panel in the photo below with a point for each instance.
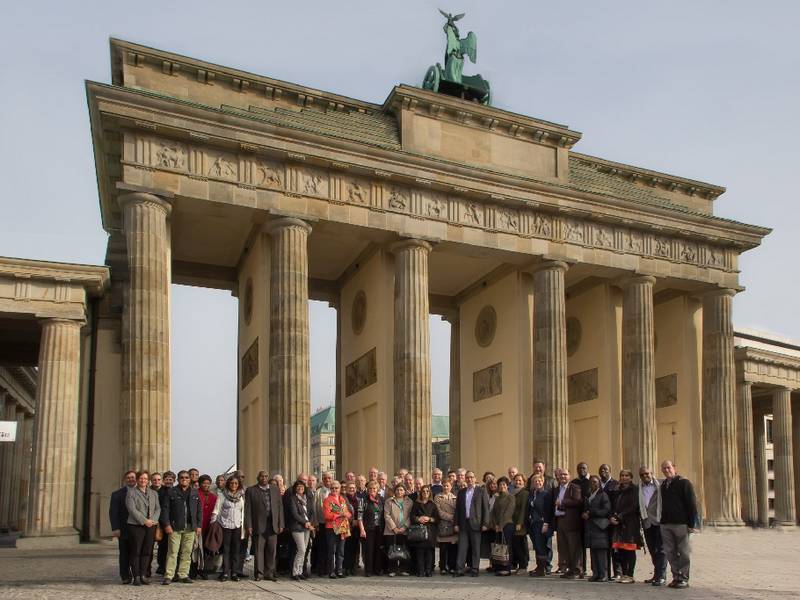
(250, 364)
(487, 382)
(582, 387)
(361, 373)
(667, 390)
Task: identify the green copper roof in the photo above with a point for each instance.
(323, 421)
(440, 426)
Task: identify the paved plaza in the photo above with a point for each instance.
(743, 564)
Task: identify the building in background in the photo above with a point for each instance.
(323, 445)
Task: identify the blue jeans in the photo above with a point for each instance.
(542, 545)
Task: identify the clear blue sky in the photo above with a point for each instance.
(703, 89)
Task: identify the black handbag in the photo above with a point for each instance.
(397, 551)
(418, 533)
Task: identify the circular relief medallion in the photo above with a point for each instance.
(359, 312)
(574, 332)
(248, 301)
(486, 326)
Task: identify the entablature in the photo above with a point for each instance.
(756, 365)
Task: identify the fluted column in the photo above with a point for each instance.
(455, 391)
(17, 462)
(785, 515)
(146, 334)
(25, 476)
(760, 468)
(289, 387)
(747, 470)
(551, 424)
(9, 413)
(638, 375)
(720, 455)
(55, 455)
(412, 362)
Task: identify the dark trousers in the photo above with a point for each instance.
(372, 552)
(351, 551)
(570, 550)
(448, 556)
(319, 551)
(244, 545)
(424, 559)
(469, 542)
(266, 544)
(627, 559)
(652, 536)
(395, 566)
(542, 546)
(519, 552)
(161, 554)
(140, 550)
(335, 553)
(613, 555)
(599, 563)
(124, 554)
(231, 556)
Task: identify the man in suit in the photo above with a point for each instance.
(611, 487)
(582, 481)
(650, 511)
(569, 504)
(264, 521)
(118, 516)
(181, 518)
(472, 514)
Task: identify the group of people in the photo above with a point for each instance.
(329, 528)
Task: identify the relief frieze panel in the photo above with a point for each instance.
(385, 193)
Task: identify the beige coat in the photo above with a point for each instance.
(395, 516)
(446, 504)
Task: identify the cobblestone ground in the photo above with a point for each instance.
(742, 564)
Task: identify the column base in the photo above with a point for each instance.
(724, 523)
(58, 538)
(784, 524)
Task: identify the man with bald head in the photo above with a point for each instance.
(679, 519)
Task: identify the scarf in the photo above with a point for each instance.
(236, 497)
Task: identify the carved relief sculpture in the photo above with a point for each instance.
(358, 314)
(223, 167)
(361, 373)
(357, 193)
(487, 382)
(250, 364)
(542, 226)
(171, 156)
(582, 387)
(486, 326)
(667, 390)
(398, 199)
(270, 175)
(472, 213)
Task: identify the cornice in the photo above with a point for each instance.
(758, 355)
(93, 278)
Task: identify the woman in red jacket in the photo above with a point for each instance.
(337, 513)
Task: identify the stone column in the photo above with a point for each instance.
(412, 363)
(9, 413)
(25, 475)
(455, 391)
(638, 375)
(56, 452)
(760, 468)
(747, 470)
(145, 334)
(785, 515)
(17, 462)
(551, 422)
(289, 387)
(720, 454)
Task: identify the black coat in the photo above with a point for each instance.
(117, 511)
(540, 509)
(626, 511)
(295, 519)
(426, 510)
(599, 509)
(173, 509)
(678, 502)
(583, 483)
(371, 514)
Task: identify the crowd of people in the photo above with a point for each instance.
(332, 528)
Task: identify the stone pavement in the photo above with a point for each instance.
(740, 564)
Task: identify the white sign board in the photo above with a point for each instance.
(8, 431)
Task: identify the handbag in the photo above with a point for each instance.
(500, 552)
(418, 533)
(397, 551)
(446, 528)
(158, 534)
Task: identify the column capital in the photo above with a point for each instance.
(408, 243)
(145, 198)
(270, 227)
(719, 292)
(63, 321)
(550, 265)
(637, 279)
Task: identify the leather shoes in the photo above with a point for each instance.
(681, 584)
(658, 582)
(186, 580)
(458, 574)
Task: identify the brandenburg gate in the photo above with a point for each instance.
(589, 301)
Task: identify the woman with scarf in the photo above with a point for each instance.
(229, 513)
(627, 531)
(397, 516)
(337, 515)
(370, 524)
(446, 533)
(424, 512)
(488, 536)
(298, 522)
(143, 512)
(519, 543)
(595, 514)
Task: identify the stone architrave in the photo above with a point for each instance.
(785, 515)
(638, 375)
(720, 455)
(52, 503)
(747, 471)
(412, 366)
(289, 385)
(146, 333)
(455, 391)
(550, 398)
(760, 468)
